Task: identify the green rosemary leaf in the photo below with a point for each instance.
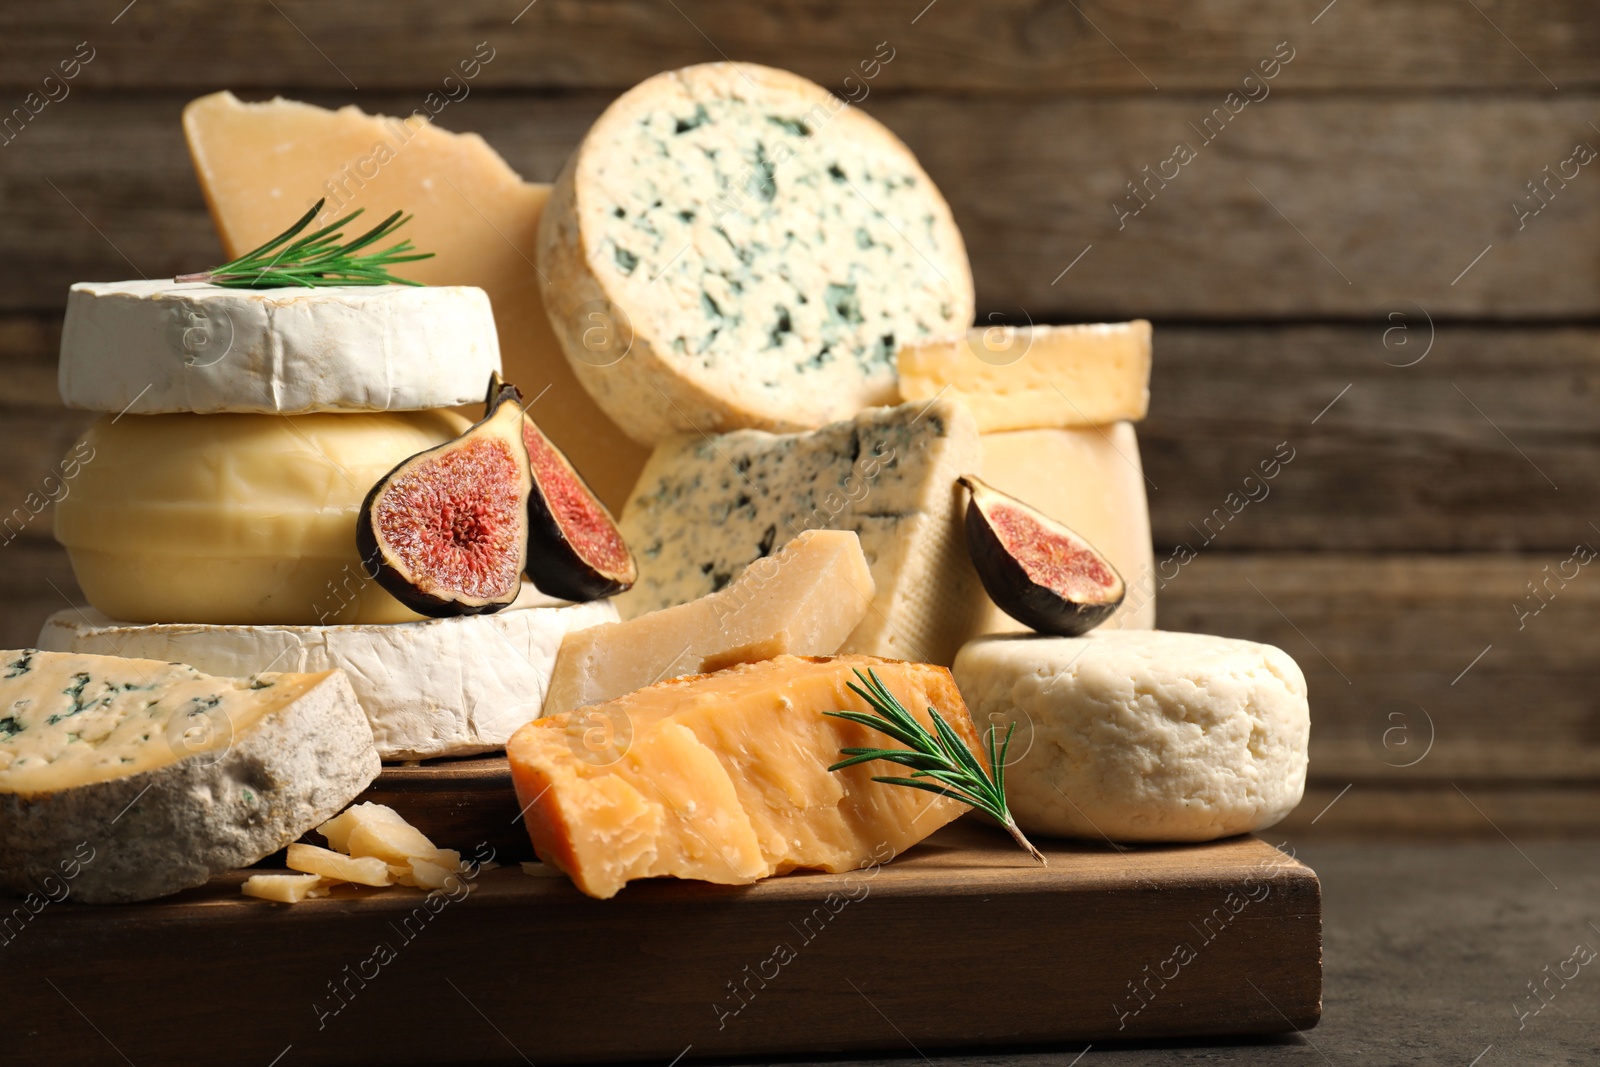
(320, 258)
(939, 754)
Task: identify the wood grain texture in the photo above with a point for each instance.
(1368, 810)
(665, 956)
(1006, 46)
(1302, 207)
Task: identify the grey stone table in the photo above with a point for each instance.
(1431, 956)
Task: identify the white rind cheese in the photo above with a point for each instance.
(1143, 735)
(733, 247)
(144, 347)
(439, 687)
(707, 507)
(149, 777)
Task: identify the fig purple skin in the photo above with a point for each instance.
(1036, 570)
(575, 550)
(445, 532)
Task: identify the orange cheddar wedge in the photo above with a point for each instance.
(724, 777)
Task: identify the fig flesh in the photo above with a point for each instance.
(1036, 570)
(575, 550)
(446, 531)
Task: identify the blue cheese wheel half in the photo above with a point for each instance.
(733, 247)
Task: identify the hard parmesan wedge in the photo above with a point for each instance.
(724, 777)
(803, 600)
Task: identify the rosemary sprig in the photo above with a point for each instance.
(939, 755)
(317, 258)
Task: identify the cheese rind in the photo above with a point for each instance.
(732, 246)
(164, 775)
(1091, 481)
(705, 508)
(261, 165)
(143, 347)
(1143, 735)
(1035, 377)
(438, 687)
(724, 777)
(235, 518)
(802, 601)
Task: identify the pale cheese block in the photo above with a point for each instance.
(148, 777)
(151, 346)
(437, 687)
(724, 777)
(707, 507)
(286, 888)
(804, 600)
(1143, 735)
(1035, 377)
(731, 246)
(235, 518)
(262, 165)
(1092, 481)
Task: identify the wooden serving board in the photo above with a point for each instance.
(960, 942)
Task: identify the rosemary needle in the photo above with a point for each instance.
(318, 258)
(938, 754)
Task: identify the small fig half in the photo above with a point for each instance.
(575, 550)
(446, 532)
(1035, 569)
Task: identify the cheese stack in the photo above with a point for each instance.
(1055, 407)
(213, 507)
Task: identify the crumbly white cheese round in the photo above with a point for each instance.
(440, 687)
(161, 346)
(1134, 735)
(733, 247)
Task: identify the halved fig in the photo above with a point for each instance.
(446, 532)
(1035, 569)
(575, 550)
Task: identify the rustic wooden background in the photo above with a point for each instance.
(1342, 268)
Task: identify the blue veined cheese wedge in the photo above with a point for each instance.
(732, 247)
(707, 507)
(129, 779)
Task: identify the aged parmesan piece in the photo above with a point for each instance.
(724, 777)
(152, 346)
(1027, 378)
(262, 165)
(378, 831)
(731, 246)
(438, 687)
(335, 867)
(286, 888)
(166, 775)
(705, 508)
(1091, 481)
(1143, 735)
(804, 600)
(235, 518)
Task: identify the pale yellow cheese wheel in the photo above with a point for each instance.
(235, 518)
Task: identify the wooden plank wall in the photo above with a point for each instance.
(1343, 265)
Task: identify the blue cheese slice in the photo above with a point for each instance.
(163, 774)
(732, 246)
(707, 507)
